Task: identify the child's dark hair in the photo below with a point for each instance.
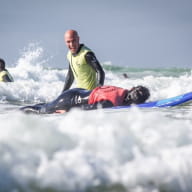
(2, 64)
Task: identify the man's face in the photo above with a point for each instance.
(72, 42)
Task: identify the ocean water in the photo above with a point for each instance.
(134, 150)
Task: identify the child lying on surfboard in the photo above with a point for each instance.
(100, 97)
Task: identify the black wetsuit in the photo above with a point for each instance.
(91, 60)
(71, 98)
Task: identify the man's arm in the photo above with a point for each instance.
(92, 60)
(6, 78)
(69, 79)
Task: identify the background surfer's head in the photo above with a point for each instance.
(137, 95)
(71, 39)
(2, 64)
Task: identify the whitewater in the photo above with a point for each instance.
(133, 150)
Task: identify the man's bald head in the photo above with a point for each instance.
(71, 33)
(71, 39)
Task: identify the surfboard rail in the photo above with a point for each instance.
(168, 102)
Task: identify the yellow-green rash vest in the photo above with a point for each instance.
(3, 73)
(84, 74)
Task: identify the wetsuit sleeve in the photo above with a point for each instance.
(92, 60)
(102, 104)
(69, 79)
(6, 78)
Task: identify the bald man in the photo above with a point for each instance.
(84, 67)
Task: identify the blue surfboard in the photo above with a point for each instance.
(169, 102)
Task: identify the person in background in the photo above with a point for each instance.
(4, 74)
(125, 75)
(83, 64)
(100, 97)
